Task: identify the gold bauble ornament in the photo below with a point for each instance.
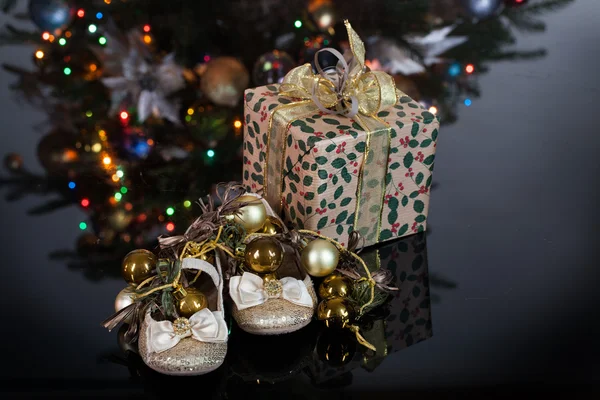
(335, 285)
(335, 312)
(251, 216)
(138, 265)
(224, 80)
(263, 255)
(124, 298)
(272, 226)
(320, 257)
(193, 301)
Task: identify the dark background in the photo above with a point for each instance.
(513, 220)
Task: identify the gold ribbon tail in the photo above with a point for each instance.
(360, 339)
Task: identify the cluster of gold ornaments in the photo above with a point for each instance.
(335, 309)
(139, 265)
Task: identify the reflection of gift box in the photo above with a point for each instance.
(409, 321)
(312, 164)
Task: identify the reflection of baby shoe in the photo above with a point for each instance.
(193, 346)
(272, 307)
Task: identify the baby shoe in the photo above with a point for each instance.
(272, 306)
(193, 346)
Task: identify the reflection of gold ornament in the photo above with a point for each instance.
(138, 265)
(192, 302)
(320, 257)
(251, 216)
(124, 298)
(224, 80)
(336, 348)
(336, 312)
(264, 255)
(272, 226)
(335, 285)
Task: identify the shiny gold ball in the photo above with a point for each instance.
(191, 303)
(272, 226)
(251, 216)
(335, 312)
(124, 298)
(320, 258)
(335, 285)
(224, 81)
(138, 265)
(270, 277)
(263, 255)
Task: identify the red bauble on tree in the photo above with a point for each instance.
(515, 3)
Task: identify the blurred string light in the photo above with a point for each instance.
(85, 202)
(210, 153)
(170, 226)
(454, 69)
(115, 178)
(106, 160)
(470, 68)
(67, 71)
(102, 40)
(187, 203)
(124, 115)
(72, 185)
(45, 36)
(146, 28)
(62, 41)
(119, 173)
(123, 189)
(170, 211)
(82, 225)
(81, 13)
(96, 147)
(468, 102)
(89, 113)
(92, 28)
(433, 110)
(118, 196)
(99, 15)
(39, 54)
(237, 124)
(147, 39)
(298, 23)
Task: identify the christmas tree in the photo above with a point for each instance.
(144, 97)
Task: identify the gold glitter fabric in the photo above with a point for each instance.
(188, 357)
(276, 316)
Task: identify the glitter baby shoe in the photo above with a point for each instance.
(271, 306)
(188, 346)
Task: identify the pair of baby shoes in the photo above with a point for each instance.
(198, 344)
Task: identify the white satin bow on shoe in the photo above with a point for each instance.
(204, 326)
(250, 290)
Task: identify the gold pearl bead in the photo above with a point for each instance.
(335, 312)
(320, 258)
(335, 285)
(138, 265)
(192, 302)
(272, 226)
(263, 255)
(124, 298)
(251, 216)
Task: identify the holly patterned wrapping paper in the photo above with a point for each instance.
(322, 159)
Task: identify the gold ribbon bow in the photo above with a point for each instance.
(351, 90)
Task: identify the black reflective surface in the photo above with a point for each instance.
(511, 264)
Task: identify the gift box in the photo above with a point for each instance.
(337, 157)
